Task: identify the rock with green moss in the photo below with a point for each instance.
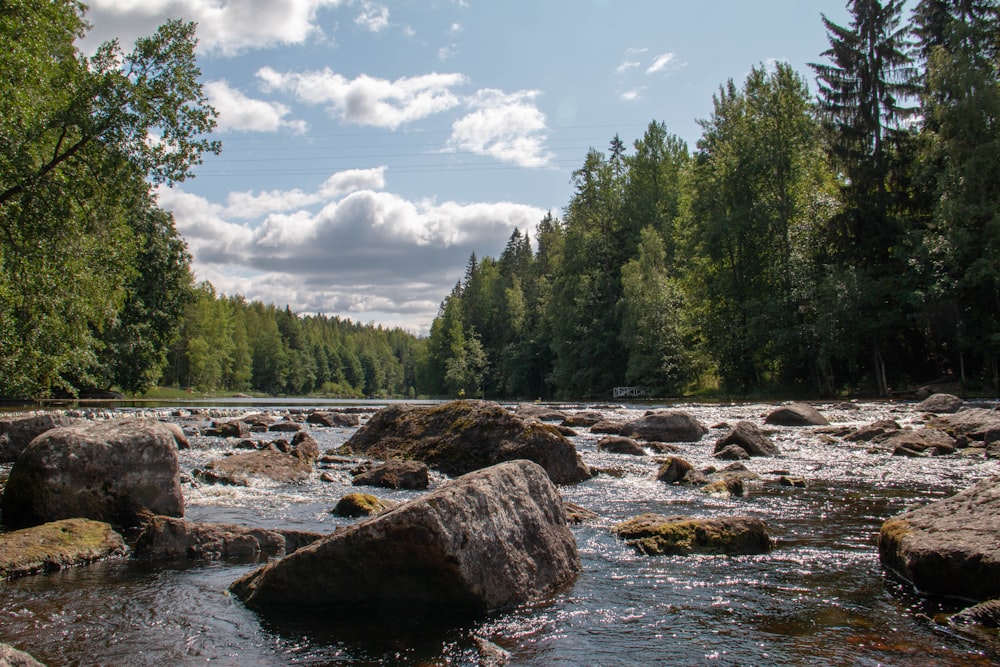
(57, 545)
(490, 539)
(462, 436)
(949, 547)
(659, 535)
(361, 504)
(116, 471)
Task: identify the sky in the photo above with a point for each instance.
(370, 147)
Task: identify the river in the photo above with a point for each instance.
(820, 597)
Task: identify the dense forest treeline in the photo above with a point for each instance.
(842, 241)
(847, 242)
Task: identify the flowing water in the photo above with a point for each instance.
(820, 597)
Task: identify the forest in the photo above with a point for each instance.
(841, 241)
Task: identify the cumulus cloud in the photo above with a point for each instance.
(248, 205)
(367, 254)
(239, 113)
(224, 26)
(367, 100)
(506, 126)
(632, 95)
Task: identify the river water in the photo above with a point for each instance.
(820, 597)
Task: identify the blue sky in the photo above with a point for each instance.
(370, 147)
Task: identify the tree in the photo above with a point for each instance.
(862, 93)
(82, 140)
(958, 42)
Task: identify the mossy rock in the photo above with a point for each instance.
(659, 535)
(361, 504)
(60, 544)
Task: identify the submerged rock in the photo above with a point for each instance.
(238, 469)
(168, 537)
(461, 436)
(112, 471)
(921, 442)
(487, 540)
(985, 614)
(540, 412)
(949, 547)
(56, 545)
(333, 419)
(796, 414)
(659, 535)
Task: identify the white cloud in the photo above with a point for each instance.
(367, 100)
(248, 205)
(662, 62)
(507, 127)
(237, 112)
(447, 52)
(224, 26)
(632, 95)
(627, 65)
(368, 255)
(373, 17)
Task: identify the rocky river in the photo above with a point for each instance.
(819, 596)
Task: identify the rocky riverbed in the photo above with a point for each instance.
(815, 494)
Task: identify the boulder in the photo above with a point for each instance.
(412, 475)
(748, 436)
(114, 471)
(941, 404)
(167, 537)
(657, 535)
(331, 419)
(726, 486)
(56, 545)
(619, 444)
(361, 504)
(11, 657)
(305, 447)
(974, 423)
(665, 426)
(461, 436)
(948, 548)
(674, 470)
(921, 442)
(285, 427)
(731, 453)
(606, 426)
(584, 419)
(577, 513)
(16, 433)
(796, 414)
(874, 430)
(540, 412)
(238, 469)
(180, 438)
(490, 539)
(229, 429)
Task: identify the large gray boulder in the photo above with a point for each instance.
(665, 426)
(16, 433)
(115, 471)
(796, 414)
(949, 547)
(12, 657)
(462, 436)
(487, 540)
(54, 546)
(166, 537)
